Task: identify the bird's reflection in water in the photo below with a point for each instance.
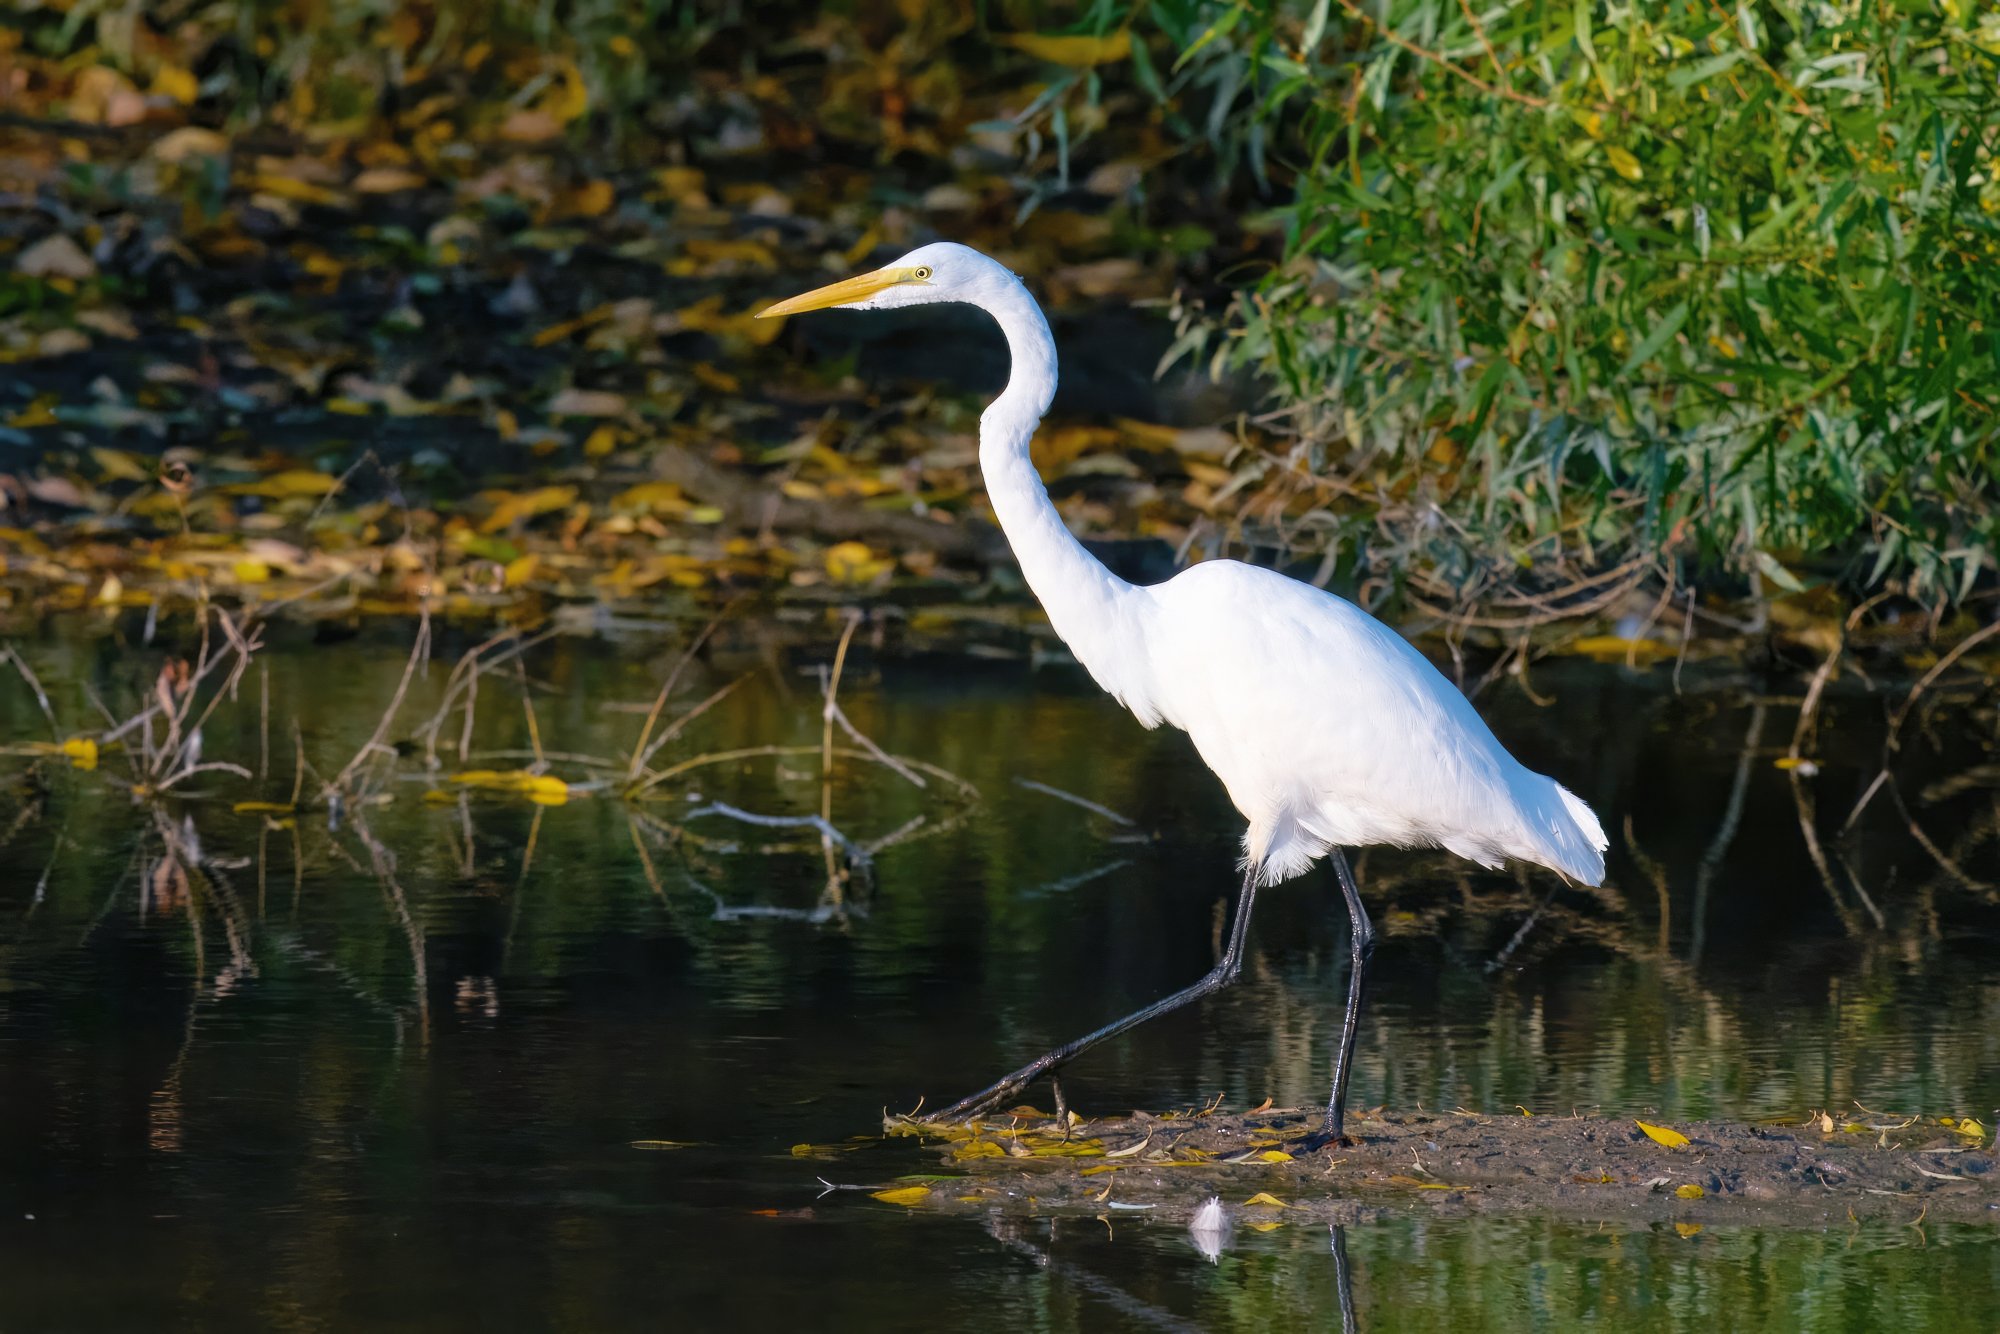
(1210, 1232)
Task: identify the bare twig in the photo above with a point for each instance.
(419, 651)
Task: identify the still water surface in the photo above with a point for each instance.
(392, 1075)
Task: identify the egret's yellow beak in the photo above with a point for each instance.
(858, 288)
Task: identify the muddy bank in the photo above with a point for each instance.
(1809, 1173)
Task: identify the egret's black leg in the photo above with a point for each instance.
(1220, 976)
(1360, 948)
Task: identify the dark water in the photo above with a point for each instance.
(392, 1075)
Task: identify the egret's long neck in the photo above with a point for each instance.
(1087, 604)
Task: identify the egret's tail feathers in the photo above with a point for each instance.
(1575, 840)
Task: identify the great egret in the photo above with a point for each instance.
(1327, 727)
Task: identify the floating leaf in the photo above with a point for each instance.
(905, 1195)
(1687, 1229)
(1265, 1200)
(659, 1145)
(1690, 1191)
(263, 808)
(542, 789)
(1672, 1139)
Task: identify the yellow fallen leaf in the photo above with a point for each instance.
(1275, 1156)
(1687, 1229)
(1618, 648)
(1265, 1200)
(177, 146)
(1971, 1129)
(294, 189)
(905, 1195)
(119, 466)
(1075, 51)
(650, 498)
(569, 97)
(262, 808)
(853, 563)
(1075, 1148)
(661, 1144)
(542, 789)
(176, 84)
(592, 199)
(387, 181)
(82, 752)
(979, 1148)
(291, 483)
(251, 572)
(1673, 1139)
(522, 569)
(512, 507)
(1690, 1191)
(600, 442)
(1624, 163)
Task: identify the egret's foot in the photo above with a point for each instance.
(965, 1109)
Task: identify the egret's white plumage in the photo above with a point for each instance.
(1327, 728)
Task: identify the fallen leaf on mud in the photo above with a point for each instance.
(512, 507)
(587, 403)
(291, 483)
(1673, 1139)
(55, 256)
(905, 1195)
(1275, 1156)
(1690, 1191)
(852, 563)
(979, 1148)
(1075, 1148)
(1400, 1180)
(387, 181)
(1130, 1149)
(1264, 1199)
(662, 1144)
(178, 146)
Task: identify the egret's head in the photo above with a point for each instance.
(942, 271)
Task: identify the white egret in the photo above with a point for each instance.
(1327, 728)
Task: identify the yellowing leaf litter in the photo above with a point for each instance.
(904, 1195)
(1672, 1139)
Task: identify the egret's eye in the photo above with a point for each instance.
(922, 273)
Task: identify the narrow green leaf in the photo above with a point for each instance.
(1654, 341)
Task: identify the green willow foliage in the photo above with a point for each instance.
(1579, 281)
